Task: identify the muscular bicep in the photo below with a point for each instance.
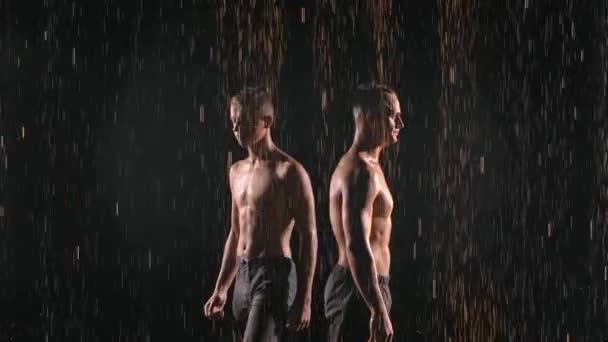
(358, 193)
(301, 200)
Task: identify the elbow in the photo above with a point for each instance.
(356, 247)
(234, 234)
(313, 236)
(309, 235)
(358, 256)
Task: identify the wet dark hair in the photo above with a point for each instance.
(372, 98)
(253, 100)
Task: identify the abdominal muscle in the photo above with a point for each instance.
(379, 244)
(267, 239)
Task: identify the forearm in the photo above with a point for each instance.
(363, 270)
(306, 263)
(228, 268)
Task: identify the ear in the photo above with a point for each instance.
(268, 121)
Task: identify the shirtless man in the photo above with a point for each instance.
(360, 205)
(271, 193)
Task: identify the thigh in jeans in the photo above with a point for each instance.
(269, 304)
(240, 296)
(337, 295)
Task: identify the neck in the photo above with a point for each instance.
(366, 148)
(262, 149)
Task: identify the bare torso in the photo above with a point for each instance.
(261, 193)
(381, 223)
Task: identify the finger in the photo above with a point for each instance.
(217, 314)
(217, 310)
(209, 307)
(301, 326)
(206, 309)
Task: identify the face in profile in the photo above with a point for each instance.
(393, 121)
(386, 126)
(248, 127)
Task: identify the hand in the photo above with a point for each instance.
(299, 316)
(214, 308)
(380, 327)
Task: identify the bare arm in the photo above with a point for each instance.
(358, 193)
(303, 209)
(228, 268)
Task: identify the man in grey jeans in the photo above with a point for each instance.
(360, 206)
(271, 194)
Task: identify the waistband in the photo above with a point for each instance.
(382, 279)
(241, 260)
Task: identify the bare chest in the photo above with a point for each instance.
(258, 186)
(383, 203)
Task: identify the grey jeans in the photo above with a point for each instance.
(264, 291)
(346, 312)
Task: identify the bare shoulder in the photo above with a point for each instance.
(351, 170)
(295, 173)
(236, 169)
(288, 168)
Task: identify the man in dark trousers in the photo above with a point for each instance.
(360, 205)
(271, 194)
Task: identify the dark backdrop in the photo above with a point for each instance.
(115, 145)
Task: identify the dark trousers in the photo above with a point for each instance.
(264, 290)
(345, 310)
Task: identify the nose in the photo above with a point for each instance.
(399, 122)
